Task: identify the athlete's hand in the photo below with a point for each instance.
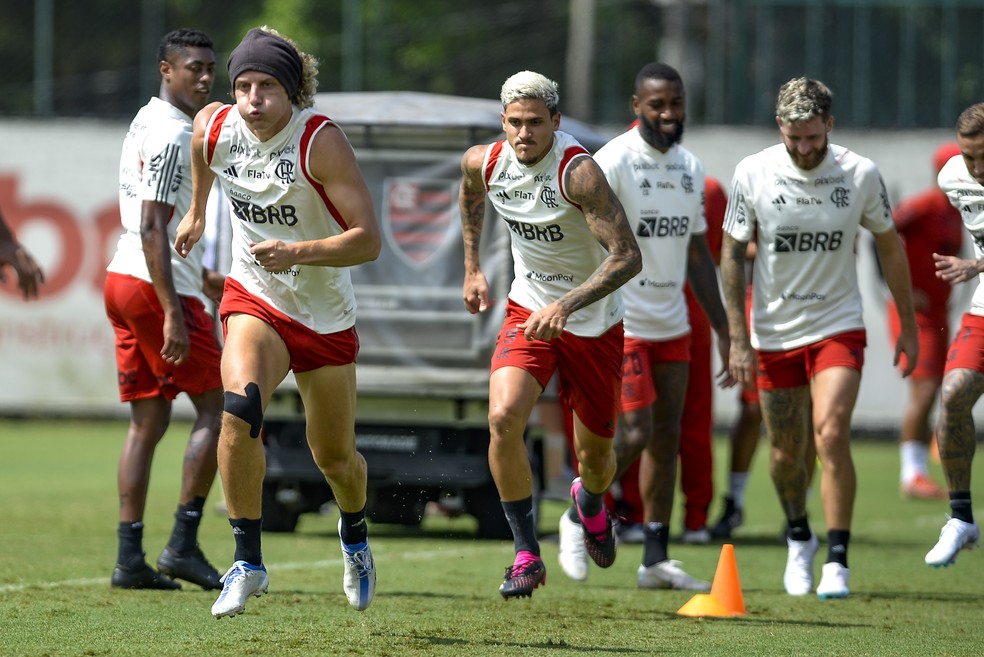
(724, 377)
(272, 255)
(908, 344)
(955, 270)
(741, 363)
(546, 323)
(188, 234)
(29, 274)
(476, 293)
(176, 342)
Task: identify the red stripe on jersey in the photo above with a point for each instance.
(569, 155)
(213, 132)
(314, 124)
(494, 151)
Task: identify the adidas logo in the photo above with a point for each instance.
(779, 201)
(645, 187)
(231, 172)
(502, 196)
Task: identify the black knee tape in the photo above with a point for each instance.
(248, 408)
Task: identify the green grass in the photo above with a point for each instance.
(437, 589)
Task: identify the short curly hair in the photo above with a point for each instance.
(177, 40)
(970, 123)
(801, 99)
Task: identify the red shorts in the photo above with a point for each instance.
(967, 350)
(638, 391)
(308, 349)
(589, 367)
(793, 368)
(138, 322)
(934, 339)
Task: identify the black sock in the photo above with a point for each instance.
(247, 534)
(352, 529)
(184, 535)
(589, 503)
(837, 540)
(130, 548)
(961, 506)
(520, 516)
(799, 529)
(655, 544)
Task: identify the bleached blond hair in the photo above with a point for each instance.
(530, 85)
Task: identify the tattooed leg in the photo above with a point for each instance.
(955, 429)
(784, 412)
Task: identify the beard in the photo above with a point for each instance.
(656, 138)
(811, 160)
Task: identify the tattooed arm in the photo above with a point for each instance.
(587, 186)
(742, 360)
(471, 201)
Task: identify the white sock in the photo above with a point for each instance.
(915, 458)
(737, 481)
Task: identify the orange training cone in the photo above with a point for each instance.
(725, 598)
(704, 605)
(727, 586)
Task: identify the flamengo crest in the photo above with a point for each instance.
(418, 217)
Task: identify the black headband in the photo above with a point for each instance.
(266, 53)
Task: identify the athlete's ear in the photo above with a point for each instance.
(830, 124)
(165, 69)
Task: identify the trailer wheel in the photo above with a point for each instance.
(397, 505)
(483, 503)
(276, 516)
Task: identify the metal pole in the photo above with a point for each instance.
(151, 31)
(44, 17)
(580, 59)
(352, 45)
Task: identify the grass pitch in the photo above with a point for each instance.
(437, 587)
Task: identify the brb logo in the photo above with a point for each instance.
(285, 215)
(548, 233)
(663, 227)
(804, 242)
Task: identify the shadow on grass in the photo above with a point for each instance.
(568, 648)
(922, 596)
(777, 540)
(389, 594)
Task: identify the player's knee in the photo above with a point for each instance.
(248, 407)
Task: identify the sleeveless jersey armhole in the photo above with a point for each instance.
(212, 130)
(569, 155)
(312, 128)
(491, 159)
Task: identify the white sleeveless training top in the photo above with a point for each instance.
(553, 249)
(273, 196)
